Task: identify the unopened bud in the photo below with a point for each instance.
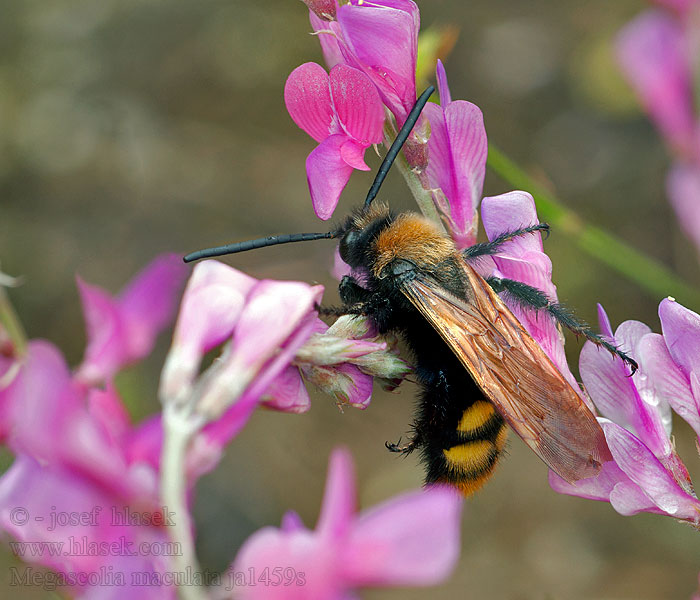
(325, 9)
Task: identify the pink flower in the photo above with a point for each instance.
(457, 150)
(122, 330)
(380, 37)
(73, 455)
(412, 540)
(262, 325)
(651, 51)
(646, 474)
(343, 112)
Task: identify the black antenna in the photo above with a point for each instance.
(396, 146)
(270, 240)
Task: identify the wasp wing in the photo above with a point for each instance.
(514, 373)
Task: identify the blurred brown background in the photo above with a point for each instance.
(129, 128)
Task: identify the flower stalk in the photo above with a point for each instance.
(178, 431)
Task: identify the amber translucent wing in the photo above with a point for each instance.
(514, 373)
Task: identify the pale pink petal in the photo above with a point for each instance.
(327, 38)
(645, 470)
(593, 488)
(339, 498)
(443, 88)
(667, 379)
(327, 174)
(276, 321)
(287, 392)
(615, 395)
(357, 104)
(211, 306)
(382, 38)
(413, 539)
(358, 391)
(353, 154)
(509, 212)
(683, 189)
(681, 330)
(651, 54)
(308, 100)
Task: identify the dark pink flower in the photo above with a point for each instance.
(74, 455)
(457, 150)
(646, 474)
(122, 330)
(343, 112)
(652, 52)
(411, 540)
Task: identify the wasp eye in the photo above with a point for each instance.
(347, 246)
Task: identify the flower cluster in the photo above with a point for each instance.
(646, 475)
(658, 53)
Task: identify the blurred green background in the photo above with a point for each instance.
(129, 128)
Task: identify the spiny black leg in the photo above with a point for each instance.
(529, 297)
(492, 247)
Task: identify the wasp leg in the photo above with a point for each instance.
(493, 247)
(529, 297)
(405, 449)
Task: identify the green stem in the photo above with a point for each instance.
(13, 326)
(649, 274)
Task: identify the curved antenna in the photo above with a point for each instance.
(396, 146)
(270, 240)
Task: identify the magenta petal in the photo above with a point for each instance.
(383, 37)
(123, 330)
(410, 540)
(683, 189)
(359, 388)
(107, 345)
(681, 329)
(650, 51)
(357, 104)
(457, 150)
(327, 174)
(308, 100)
(443, 88)
(339, 497)
(148, 302)
(353, 154)
(287, 392)
(329, 43)
(107, 408)
(645, 470)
